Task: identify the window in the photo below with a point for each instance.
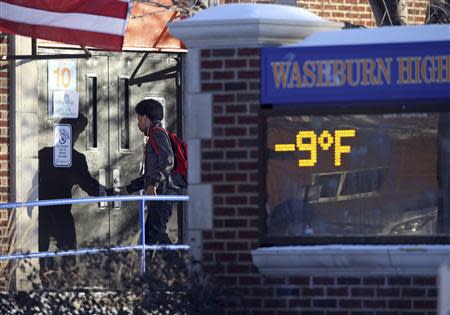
(347, 185)
(356, 178)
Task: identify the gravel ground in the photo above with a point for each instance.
(68, 303)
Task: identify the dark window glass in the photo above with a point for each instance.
(92, 104)
(362, 182)
(124, 113)
(357, 175)
(329, 184)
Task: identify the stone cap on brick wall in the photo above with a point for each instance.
(351, 259)
(249, 25)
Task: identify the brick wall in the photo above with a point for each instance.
(352, 11)
(230, 163)
(4, 155)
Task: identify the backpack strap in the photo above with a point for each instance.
(150, 137)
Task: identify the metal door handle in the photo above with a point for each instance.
(102, 190)
(116, 185)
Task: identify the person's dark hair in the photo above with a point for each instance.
(150, 108)
(78, 124)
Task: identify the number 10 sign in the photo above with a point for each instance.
(62, 87)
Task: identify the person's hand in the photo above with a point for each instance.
(121, 190)
(151, 190)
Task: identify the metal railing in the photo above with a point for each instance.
(82, 251)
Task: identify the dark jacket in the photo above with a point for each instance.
(158, 165)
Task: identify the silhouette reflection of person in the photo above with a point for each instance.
(57, 183)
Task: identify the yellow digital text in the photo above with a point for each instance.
(309, 141)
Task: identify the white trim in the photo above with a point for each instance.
(351, 259)
(75, 21)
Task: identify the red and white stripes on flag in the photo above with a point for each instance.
(95, 23)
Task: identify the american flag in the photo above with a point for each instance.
(94, 23)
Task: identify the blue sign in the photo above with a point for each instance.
(337, 74)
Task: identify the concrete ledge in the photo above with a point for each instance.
(351, 259)
(249, 25)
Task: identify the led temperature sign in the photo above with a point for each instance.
(308, 141)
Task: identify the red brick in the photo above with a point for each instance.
(248, 74)
(313, 291)
(238, 268)
(225, 235)
(240, 177)
(207, 235)
(235, 109)
(223, 189)
(212, 87)
(212, 155)
(400, 304)
(249, 280)
(223, 52)
(212, 177)
(374, 304)
(248, 188)
(363, 292)
(275, 303)
(425, 281)
(213, 246)
(223, 75)
(237, 246)
(246, 120)
(206, 53)
(274, 280)
(248, 52)
(236, 131)
(226, 257)
(236, 200)
(262, 291)
(350, 303)
(387, 292)
(222, 211)
(253, 303)
(246, 212)
(238, 63)
(236, 155)
(248, 166)
(425, 304)
(413, 292)
(235, 223)
(244, 257)
(227, 280)
(222, 120)
(224, 143)
(300, 303)
(374, 280)
(337, 291)
(248, 234)
(223, 98)
(212, 64)
(235, 86)
(218, 109)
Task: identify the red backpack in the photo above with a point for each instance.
(179, 149)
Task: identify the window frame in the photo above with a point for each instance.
(267, 110)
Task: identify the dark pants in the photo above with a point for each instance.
(158, 215)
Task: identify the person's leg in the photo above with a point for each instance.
(158, 215)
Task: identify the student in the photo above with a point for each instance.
(156, 180)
